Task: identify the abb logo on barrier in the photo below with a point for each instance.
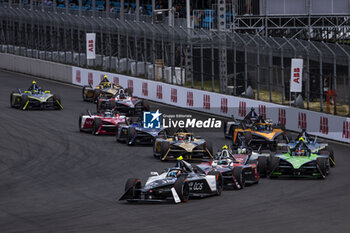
(145, 89)
(131, 85)
(282, 116)
(262, 111)
(77, 76)
(302, 121)
(242, 110)
(189, 98)
(91, 45)
(101, 77)
(90, 79)
(324, 125)
(346, 130)
(159, 92)
(173, 97)
(296, 75)
(116, 80)
(224, 107)
(206, 102)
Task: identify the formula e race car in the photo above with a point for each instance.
(300, 161)
(100, 123)
(176, 184)
(256, 132)
(35, 98)
(133, 132)
(182, 143)
(123, 102)
(313, 144)
(105, 87)
(236, 167)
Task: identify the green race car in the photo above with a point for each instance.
(300, 161)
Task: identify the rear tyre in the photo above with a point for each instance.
(83, 93)
(238, 175)
(11, 100)
(145, 106)
(164, 150)
(182, 189)
(133, 186)
(128, 91)
(80, 121)
(275, 164)
(219, 181)
(262, 166)
(323, 165)
(131, 135)
(96, 125)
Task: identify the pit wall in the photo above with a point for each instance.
(324, 125)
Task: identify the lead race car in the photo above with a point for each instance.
(105, 88)
(300, 161)
(35, 98)
(256, 132)
(101, 123)
(133, 132)
(176, 184)
(182, 142)
(124, 102)
(236, 167)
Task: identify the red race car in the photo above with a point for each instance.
(101, 123)
(236, 167)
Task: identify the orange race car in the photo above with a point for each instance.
(256, 132)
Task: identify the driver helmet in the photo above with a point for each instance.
(108, 114)
(174, 172)
(33, 82)
(242, 150)
(299, 152)
(181, 137)
(260, 127)
(225, 154)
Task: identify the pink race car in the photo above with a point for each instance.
(101, 123)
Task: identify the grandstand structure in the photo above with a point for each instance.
(217, 45)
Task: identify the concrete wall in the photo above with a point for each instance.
(36, 67)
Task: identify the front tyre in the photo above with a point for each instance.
(219, 181)
(182, 189)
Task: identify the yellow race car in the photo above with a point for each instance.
(182, 143)
(105, 87)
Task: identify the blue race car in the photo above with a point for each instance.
(133, 132)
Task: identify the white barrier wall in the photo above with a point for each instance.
(320, 124)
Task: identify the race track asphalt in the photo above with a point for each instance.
(54, 178)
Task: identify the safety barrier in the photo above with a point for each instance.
(320, 124)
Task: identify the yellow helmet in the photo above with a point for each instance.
(225, 147)
(105, 76)
(180, 158)
(33, 82)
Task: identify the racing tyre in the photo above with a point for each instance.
(322, 163)
(164, 150)
(96, 125)
(145, 106)
(330, 152)
(133, 185)
(131, 135)
(83, 93)
(57, 103)
(219, 181)
(209, 148)
(24, 102)
(275, 164)
(80, 121)
(182, 189)
(262, 166)
(11, 100)
(97, 93)
(238, 175)
(129, 91)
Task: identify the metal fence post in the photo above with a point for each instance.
(334, 76)
(307, 73)
(321, 75)
(202, 74)
(348, 57)
(257, 64)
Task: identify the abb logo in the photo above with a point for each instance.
(131, 85)
(145, 89)
(159, 92)
(206, 102)
(282, 116)
(346, 130)
(173, 97)
(262, 111)
(91, 45)
(101, 77)
(296, 75)
(116, 80)
(324, 125)
(77, 76)
(242, 110)
(224, 107)
(189, 98)
(90, 79)
(302, 121)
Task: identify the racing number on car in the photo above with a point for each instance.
(196, 186)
